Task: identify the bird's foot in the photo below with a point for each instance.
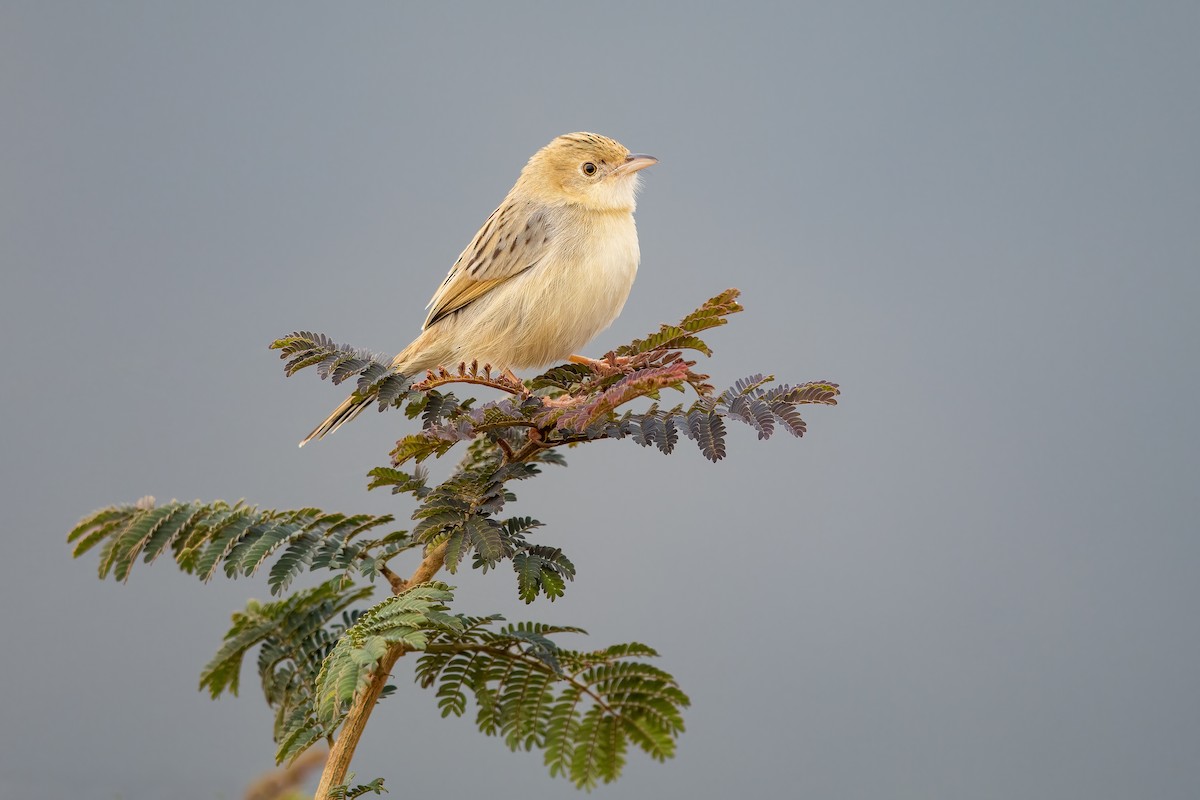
(561, 401)
(605, 366)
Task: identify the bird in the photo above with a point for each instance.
(549, 269)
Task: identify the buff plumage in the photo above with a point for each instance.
(550, 268)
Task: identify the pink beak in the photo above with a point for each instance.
(633, 163)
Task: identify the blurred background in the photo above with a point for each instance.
(976, 577)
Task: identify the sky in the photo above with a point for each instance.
(975, 577)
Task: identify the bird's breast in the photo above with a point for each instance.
(604, 260)
(553, 309)
(576, 290)
(596, 267)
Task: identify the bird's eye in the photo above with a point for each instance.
(588, 168)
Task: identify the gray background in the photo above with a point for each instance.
(977, 577)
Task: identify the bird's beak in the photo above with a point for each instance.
(633, 163)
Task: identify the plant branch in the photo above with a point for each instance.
(397, 583)
(281, 782)
(505, 381)
(506, 448)
(536, 443)
(364, 702)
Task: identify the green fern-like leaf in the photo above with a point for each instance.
(206, 537)
(682, 336)
(653, 427)
(821, 392)
(487, 541)
(541, 570)
(389, 390)
(707, 430)
(406, 618)
(301, 732)
(414, 483)
(583, 709)
(749, 401)
(152, 526)
(304, 349)
(294, 636)
(375, 376)
(435, 441)
(346, 792)
(438, 407)
(253, 551)
(284, 621)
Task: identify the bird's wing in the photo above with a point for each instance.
(514, 238)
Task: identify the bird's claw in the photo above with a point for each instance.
(608, 365)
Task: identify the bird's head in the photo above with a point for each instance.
(585, 169)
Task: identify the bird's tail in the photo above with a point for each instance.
(423, 353)
(350, 408)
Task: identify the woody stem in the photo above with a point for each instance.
(363, 704)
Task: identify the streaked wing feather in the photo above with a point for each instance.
(514, 238)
